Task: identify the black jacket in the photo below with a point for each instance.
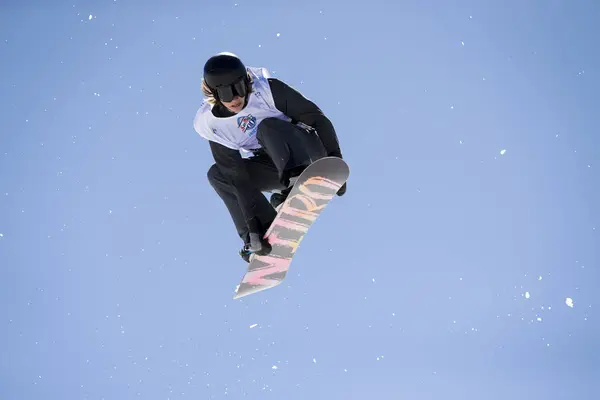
(293, 104)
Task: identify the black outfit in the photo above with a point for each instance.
(286, 149)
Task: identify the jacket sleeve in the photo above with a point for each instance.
(293, 104)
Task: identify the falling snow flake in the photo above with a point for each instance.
(502, 152)
(569, 302)
(253, 326)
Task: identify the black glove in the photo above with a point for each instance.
(342, 190)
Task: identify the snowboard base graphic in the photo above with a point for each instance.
(311, 193)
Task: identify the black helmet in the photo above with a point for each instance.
(226, 76)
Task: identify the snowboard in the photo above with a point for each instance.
(311, 193)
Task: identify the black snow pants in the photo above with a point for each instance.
(285, 149)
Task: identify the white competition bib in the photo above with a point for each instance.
(238, 132)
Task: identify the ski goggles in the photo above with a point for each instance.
(226, 93)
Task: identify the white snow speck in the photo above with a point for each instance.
(1, 235)
(278, 34)
(539, 319)
(539, 278)
(527, 295)
(569, 302)
(314, 360)
(502, 152)
(463, 43)
(253, 325)
(274, 367)
(90, 17)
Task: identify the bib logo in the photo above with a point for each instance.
(247, 124)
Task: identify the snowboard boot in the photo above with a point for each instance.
(277, 199)
(245, 253)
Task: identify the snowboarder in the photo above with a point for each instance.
(280, 131)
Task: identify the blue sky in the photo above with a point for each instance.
(446, 271)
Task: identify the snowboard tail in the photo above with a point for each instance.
(311, 193)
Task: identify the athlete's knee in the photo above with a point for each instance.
(213, 174)
(270, 126)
